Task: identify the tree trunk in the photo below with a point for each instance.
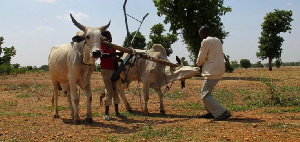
(270, 64)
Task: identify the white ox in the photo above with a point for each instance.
(73, 64)
(154, 75)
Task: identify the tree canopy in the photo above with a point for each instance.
(270, 41)
(139, 41)
(156, 37)
(186, 17)
(245, 63)
(8, 53)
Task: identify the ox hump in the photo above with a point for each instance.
(159, 48)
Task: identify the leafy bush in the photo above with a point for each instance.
(5, 69)
(281, 96)
(278, 63)
(245, 63)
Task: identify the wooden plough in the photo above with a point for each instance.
(131, 51)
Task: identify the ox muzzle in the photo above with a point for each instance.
(96, 54)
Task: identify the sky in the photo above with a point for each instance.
(33, 27)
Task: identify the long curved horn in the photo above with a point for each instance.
(78, 25)
(103, 28)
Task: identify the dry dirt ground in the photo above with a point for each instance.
(25, 113)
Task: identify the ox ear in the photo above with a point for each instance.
(77, 38)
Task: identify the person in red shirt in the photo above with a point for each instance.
(108, 66)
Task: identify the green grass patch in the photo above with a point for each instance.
(175, 95)
(177, 105)
(38, 86)
(24, 86)
(229, 100)
(60, 108)
(274, 95)
(281, 95)
(98, 89)
(281, 125)
(239, 108)
(165, 133)
(193, 105)
(152, 91)
(189, 105)
(296, 109)
(27, 95)
(251, 99)
(26, 114)
(290, 89)
(9, 103)
(96, 114)
(111, 138)
(224, 97)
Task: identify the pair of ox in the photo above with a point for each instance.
(73, 64)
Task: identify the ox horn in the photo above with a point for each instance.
(103, 28)
(78, 25)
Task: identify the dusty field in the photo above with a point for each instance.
(262, 111)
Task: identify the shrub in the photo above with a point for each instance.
(5, 69)
(245, 63)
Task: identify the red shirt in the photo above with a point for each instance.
(108, 62)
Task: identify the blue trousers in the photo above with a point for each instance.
(211, 105)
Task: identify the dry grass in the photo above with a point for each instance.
(25, 113)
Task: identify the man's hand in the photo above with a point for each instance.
(120, 54)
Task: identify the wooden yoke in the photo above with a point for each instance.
(141, 54)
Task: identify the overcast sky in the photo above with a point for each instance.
(34, 26)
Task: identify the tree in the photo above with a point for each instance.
(44, 67)
(139, 41)
(29, 68)
(270, 41)
(278, 63)
(7, 53)
(245, 63)
(187, 16)
(259, 64)
(184, 62)
(229, 68)
(16, 66)
(234, 64)
(5, 67)
(165, 40)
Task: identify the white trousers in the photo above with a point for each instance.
(211, 105)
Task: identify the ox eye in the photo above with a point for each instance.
(87, 37)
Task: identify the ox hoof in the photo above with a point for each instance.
(76, 122)
(163, 112)
(89, 120)
(56, 116)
